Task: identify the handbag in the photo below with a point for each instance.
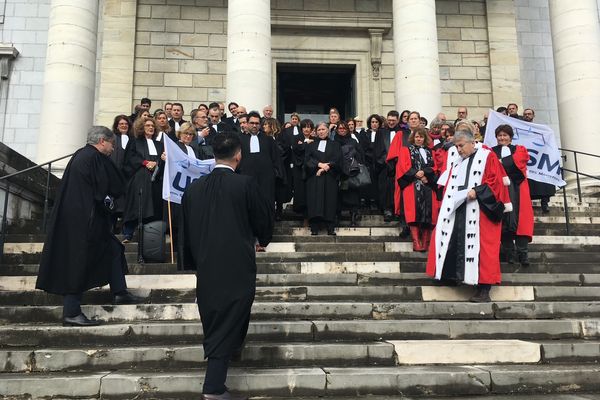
(360, 180)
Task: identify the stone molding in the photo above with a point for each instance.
(376, 49)
(8, 53)
(345, 21)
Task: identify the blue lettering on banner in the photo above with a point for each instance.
(177, 182)
(544, 163)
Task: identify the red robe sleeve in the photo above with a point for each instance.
(395, 153)
(525, 223)
(402, 167)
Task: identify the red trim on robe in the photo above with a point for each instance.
(489, 232)
(525, 227)
(396, 153)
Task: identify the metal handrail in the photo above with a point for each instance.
(577, 173)
(7, 193)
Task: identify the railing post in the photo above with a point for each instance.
(566, 205)
(44, 217)
(577, 175)
(4, 220)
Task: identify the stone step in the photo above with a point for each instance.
(34, 334)
(327, 381)
(303, 354)
(284, 266)
(256, 354)
(323, 310)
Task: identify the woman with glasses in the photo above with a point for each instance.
(143, 168)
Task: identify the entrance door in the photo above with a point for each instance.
(312, 89)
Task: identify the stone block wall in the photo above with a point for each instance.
(180, 51)
(537, 61)
(26, 27)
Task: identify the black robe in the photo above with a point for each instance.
(141, 178)
(387, 171)
(284, 183)
(118, 157)
(369, 192)
(298, 174)
(349, 198)
(223, 214)
(262, 165)
(80, 246)
(322, 191)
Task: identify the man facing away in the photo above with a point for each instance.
(223, 215)
(80, 251)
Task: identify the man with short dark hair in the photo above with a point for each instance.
(167, 108)
(513, 110)
(80, 251)
(223, 215)
(260, 157)
(528, 115)
(145, 103)
(215, 123)
(176, 117)
(233, 120)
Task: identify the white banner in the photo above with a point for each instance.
(180, 171)
(544, 157)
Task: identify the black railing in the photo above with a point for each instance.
(6, 181)
(577, 179)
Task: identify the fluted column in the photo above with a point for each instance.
(249, 53)
(69, 79)
(576, 46)
(417, 76)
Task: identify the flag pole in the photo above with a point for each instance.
(169, 206)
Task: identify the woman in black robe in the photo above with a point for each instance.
(367, 140)
(283, 180)
(143, 168)
(122, 130)
(352, 153)
(298, 175)
(322, 167)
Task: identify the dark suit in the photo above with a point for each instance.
(172, 124)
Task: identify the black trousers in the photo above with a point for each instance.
(72, 302)
(216, 375)
(509, 241)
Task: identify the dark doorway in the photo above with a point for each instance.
(312, 89)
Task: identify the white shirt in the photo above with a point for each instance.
(151, 147)
(124, 141)
(224, 166)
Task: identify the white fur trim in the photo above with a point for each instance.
(508, 207)
(446, 219)
(506, 181)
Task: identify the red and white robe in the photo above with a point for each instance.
(474, 237)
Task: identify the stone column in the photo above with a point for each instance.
(576, 47)
(249, 53)
(69, 79)
(417, 68)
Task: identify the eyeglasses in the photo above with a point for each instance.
(187, 134)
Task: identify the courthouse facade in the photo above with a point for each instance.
(69, 63)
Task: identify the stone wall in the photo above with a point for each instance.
(537, 61)
(26, 26)
(180, 52)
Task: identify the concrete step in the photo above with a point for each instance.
(256, 354)
(321, 311)
(34, 334)
(294, 382)
(303, 354)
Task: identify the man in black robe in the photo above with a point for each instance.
(223, 215)
(387, 171)
(80, 251)
(260, 158)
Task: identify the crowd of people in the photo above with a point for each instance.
(394, 165)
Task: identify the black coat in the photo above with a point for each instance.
(298, 174)
(262, 165)
(223, 213)
(141, 178)
(80, 246)
(349, 198)
(284, 188)
(322, 191)
(118, 157)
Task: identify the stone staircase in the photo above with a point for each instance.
(351, 315)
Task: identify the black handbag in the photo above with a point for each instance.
(360, 180)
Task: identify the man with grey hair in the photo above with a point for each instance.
(80, 251)
(465, 247)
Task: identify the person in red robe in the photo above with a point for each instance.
(517, 226)
(465, 245)
(417, 180)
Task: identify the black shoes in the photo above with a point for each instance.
(481, 296)
(224, 396)
(80, 320)
(314, 232)
(387, 216)
(127, 298)
(524, 259)
(331, 232)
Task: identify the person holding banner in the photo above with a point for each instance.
(517, 226)
(465, 244)
(223, 214)
(186, 135)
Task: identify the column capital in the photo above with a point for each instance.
(8, 53)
